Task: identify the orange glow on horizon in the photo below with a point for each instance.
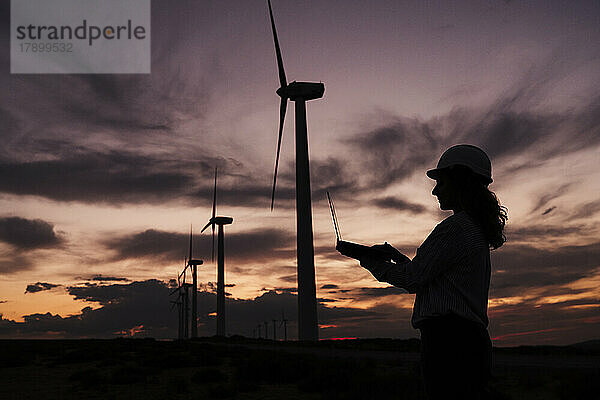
(131, 332)
(502, 337)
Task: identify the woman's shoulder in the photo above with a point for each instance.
(459, 222)
(450, 225)
(456, 220)
(467, 226)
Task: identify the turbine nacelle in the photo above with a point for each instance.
(195, 262)
(302, 91)
(218, 221)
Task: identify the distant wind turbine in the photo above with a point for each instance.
(179, 303)
(182, 303)
(284, 323)
(300, 93)
(266, 330)
(220, 221)
(193, 264)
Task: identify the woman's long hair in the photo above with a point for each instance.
(481, 204)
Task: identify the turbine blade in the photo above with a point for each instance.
(207, 225)
(213, 217)
(190, 244)
(212, 258)
(282, 79)
(282, 109)
(214, 208)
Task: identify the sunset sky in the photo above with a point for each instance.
(102, 175)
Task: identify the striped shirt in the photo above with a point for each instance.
(450, 273)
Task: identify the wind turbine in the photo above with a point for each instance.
(300, 93)
(182, 303)
(266, 330)
(220, 221)
(284, 323)
(179, 303)
(193, 264)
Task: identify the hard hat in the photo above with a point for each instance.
(466, 155)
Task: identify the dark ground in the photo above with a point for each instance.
(239, 368)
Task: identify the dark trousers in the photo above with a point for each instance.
(455, 358)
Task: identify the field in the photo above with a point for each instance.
(240, 368)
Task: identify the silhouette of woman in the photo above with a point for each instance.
(450, 275)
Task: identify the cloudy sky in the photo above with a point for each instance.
(102, 175)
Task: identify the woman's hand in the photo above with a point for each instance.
(391, 250)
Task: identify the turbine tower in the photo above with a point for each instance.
(193, 265)
(300, 93)
(220, 221)
(179, 303)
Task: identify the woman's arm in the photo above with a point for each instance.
(441, 250)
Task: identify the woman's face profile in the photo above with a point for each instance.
(446, 193)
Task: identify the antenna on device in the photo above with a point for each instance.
(338, 234)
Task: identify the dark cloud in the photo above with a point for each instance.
(75, 173)
(398, 204)
(555, 193)
(28, 234)
(506, 133)
(25, 235)
(13, 263)
(39, 287)
(520, 268)
(58, 130)
(103, 278)
(510, 129)
(334, 175)
(150, 244)
(93, 177)
(379, 292)
(111, 294)
(549, 210)
(288, 278)
(123, 307)
(329, 286)
(282, 290)
(260, 244)
(243, 191)
(394, 152)
(586, 210)
(540, 233)
(324, 300)
(135, 104)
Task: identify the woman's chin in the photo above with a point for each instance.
(444, 207)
